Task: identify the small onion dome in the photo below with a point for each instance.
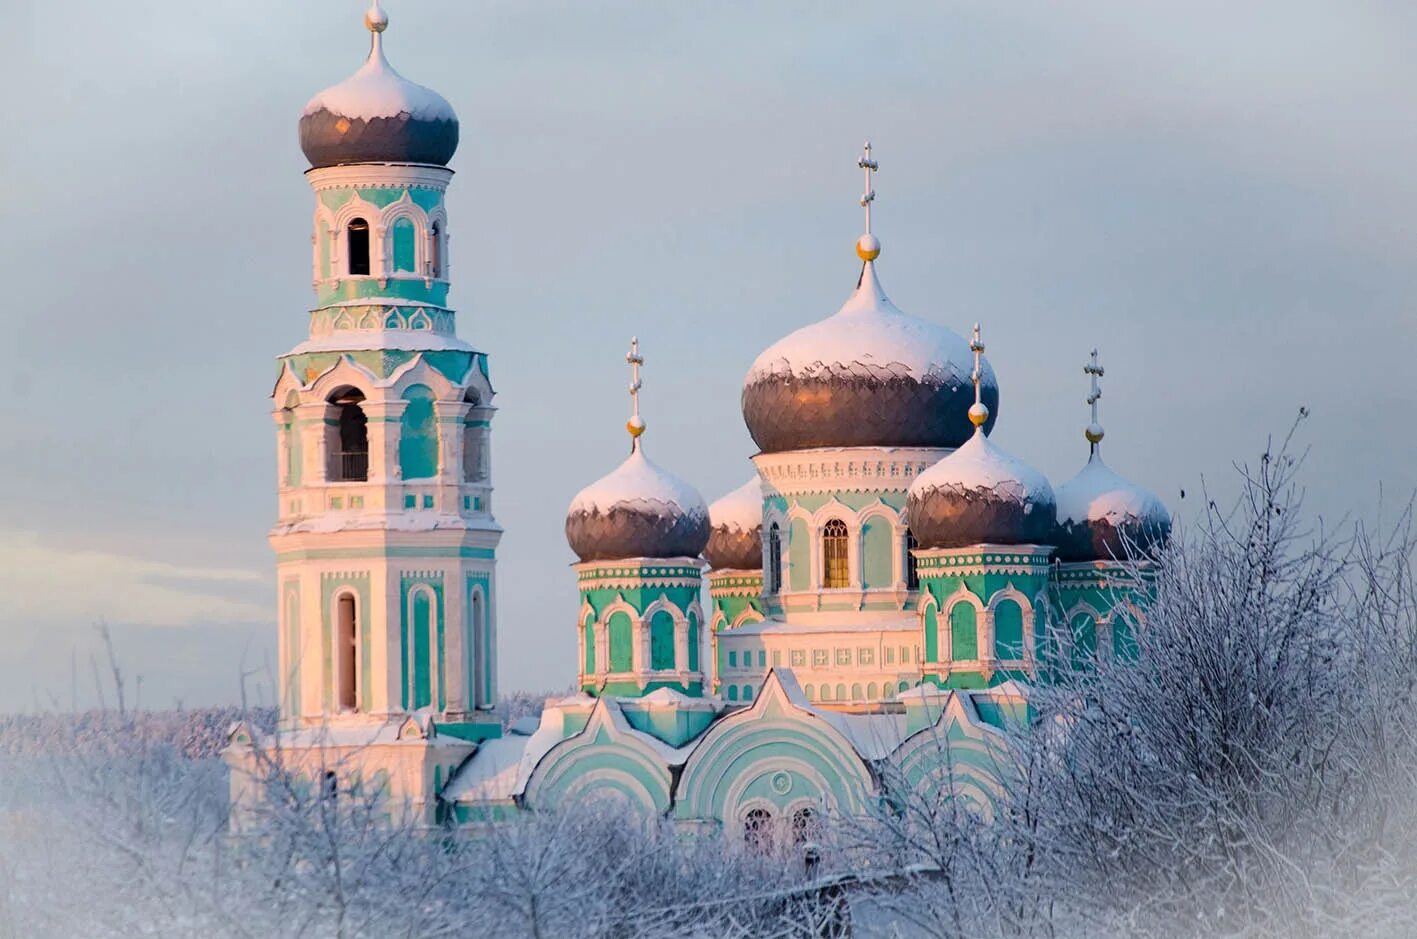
(869, 376)
(1100, 514)
(980, 495)
(638, 511)
(378, 116)
(736, 529)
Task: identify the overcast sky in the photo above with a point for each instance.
(1221, 196)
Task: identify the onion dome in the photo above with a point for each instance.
(736, 529)
(378, 116)
(639, 510)
(979, 494)
(1101, 516)
(869, 376)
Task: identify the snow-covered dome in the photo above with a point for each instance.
(1099, 513)
(980, 495)
(638, 511)
(736, 529)
(378, 116)
(868, 376)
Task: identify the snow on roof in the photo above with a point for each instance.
(673, 696)
(358, 733)
(359, 520)
(872, 736)
(870, 335)
(979, 464)
(741, 509)
(1096, 493)
(377, 90)
(640, 484)
(501, 766)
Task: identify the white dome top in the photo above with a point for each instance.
(741, 509)
(980, 464)
(640, 483)
(1098, 494)
(869, 335)
(377, 90)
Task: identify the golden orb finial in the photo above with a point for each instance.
(978, 414)
(868, 247)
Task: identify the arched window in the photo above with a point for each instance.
(349, 459)
(912, 566)
(622, 642)
(733, 692)
(856, 691)
(1084, 641)
(347, 633)
(747, 692)
(589, 646)
(478, 654)
(435, 250)
(871, 692)
(964, 632)
(294, 452)
(932, 635)
(693, 642)
(835, 572)
(804, 826)
(840, 692)
(811, 692)
(903, 686)
(402, 235)
(418, 435)
(826, 692)
(774, 558)
(757, 830)
(329, 785)
(1008, 631)
(661, 641)
(1124, 639)
(357, 234)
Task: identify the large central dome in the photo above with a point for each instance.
(869, 376)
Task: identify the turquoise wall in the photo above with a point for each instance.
(418, 435)
(421, 639)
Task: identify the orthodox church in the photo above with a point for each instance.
(869, 609)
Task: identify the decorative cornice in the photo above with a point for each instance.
(381, 316)
(380, 176)
(849, 469)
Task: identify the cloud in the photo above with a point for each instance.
(44, 584)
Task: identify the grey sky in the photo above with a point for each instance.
(1219, 195)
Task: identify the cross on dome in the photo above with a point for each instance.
(868, 246)
(978, 411)
(636, 424)
(1094, 370)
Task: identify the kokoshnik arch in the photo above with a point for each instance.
(869, 609)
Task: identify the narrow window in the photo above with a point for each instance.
(804, 826)
(435, 250)
(330, 786)
(774, 558)
(912, 574)
(479, 654)
(834, 555)
(348, 633)
(358, 236)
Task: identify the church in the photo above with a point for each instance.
(868, 610)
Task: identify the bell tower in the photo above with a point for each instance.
(385, 538)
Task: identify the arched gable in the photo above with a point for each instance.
(778, 751)
(958, 756)
(607, 759)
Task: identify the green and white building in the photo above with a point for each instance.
(871, 606)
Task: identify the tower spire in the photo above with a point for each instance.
(635, 425)
(1094, 370)
(978, 411)
(868, 246)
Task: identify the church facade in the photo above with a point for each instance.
(868, 610)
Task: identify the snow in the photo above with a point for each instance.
(979, 464)
(377, 91)
(671, 696)
(362, 520)
(1096, 494)
(370, 340)
(869, 335)
(741, 509)
(640, 484)
(873, 736)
